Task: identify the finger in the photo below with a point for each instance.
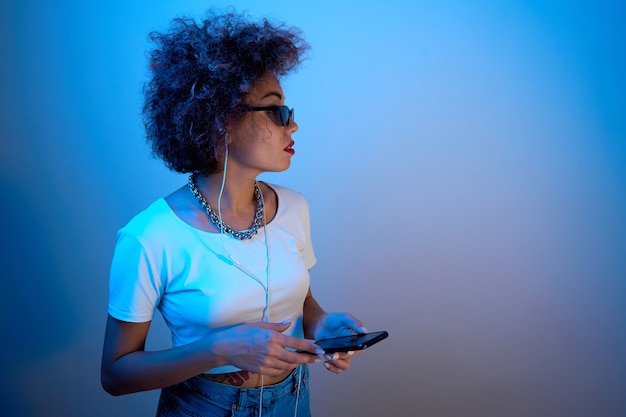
(278, 327)
(288, 360)
(354, 324)
(302, 345)
(277, 360)
(337, 366)
(285, 356)
(300, 358)
(342, 364)
(339, 355)
(350, 324)
(295, 351)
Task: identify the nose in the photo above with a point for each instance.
(292, 127)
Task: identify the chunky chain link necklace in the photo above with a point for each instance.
(215, 218)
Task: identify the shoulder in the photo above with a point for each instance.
(292, 204)
(288, 195)
(155, 218)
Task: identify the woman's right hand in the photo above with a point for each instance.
(262, 348)
(258, 348)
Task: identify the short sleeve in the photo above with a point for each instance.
(135, 285)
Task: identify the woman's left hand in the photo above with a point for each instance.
(336, 325)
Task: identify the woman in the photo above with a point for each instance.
(225, 258)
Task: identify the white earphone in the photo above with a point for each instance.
(232, 260)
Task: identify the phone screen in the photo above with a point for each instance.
(354, 342)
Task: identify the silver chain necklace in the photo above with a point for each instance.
(221, 225)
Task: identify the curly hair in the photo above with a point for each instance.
(201, 73)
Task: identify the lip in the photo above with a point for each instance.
(289, 148)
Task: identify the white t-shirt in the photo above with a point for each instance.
(161, 262)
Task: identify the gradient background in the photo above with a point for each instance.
(465, 163)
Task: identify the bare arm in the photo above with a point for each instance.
(312, 315)
(126, 367)
(258, 347)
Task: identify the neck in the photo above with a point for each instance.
(238, 195)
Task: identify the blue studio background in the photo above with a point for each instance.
(465, 163)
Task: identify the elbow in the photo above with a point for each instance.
(110, 386)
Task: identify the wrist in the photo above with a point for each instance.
(215, 350)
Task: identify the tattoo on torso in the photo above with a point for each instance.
(236, 379)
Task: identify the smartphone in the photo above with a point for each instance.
(351, 343)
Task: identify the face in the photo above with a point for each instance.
(257, 140)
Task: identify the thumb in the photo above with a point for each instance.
(353, 323)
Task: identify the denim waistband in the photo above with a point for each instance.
(246, 397)
(200, 397)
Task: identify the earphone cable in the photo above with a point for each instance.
(295, 411)
(219, 196)
(267, 263)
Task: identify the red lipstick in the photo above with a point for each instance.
(289, 149)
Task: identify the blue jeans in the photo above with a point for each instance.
(203, 398)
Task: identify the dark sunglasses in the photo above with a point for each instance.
(286, 114)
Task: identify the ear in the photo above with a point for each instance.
(222, 140)
(224, 131)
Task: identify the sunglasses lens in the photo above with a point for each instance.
(286, 115)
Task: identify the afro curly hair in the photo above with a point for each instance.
(200, 74)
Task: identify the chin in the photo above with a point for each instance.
(280, 168)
